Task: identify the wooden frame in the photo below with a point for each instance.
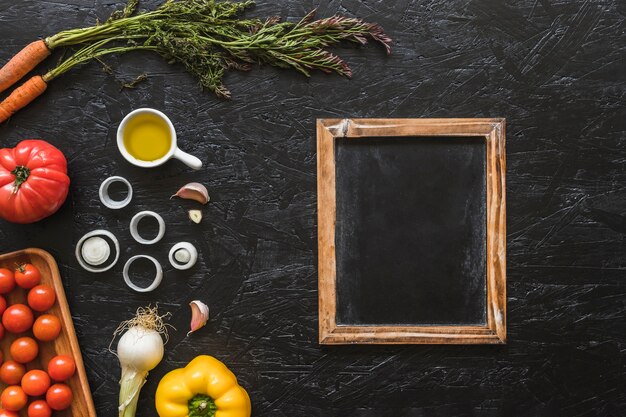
(492, 131)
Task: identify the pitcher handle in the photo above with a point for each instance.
(187, 159)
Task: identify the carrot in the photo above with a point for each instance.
(21, 96)
(22, 63)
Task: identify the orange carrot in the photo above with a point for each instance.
(21, 96)
(22, 63)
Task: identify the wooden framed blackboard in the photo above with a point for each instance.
(411, 231)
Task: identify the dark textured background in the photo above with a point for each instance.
(554, 69)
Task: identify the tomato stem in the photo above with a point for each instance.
(21, 175)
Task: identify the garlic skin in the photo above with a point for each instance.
(199, 315)
(195, 216)
(193, 191)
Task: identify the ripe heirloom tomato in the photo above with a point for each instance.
(59, 397)
(3, 304)
(13, 398)
(24, 349)
(35, 382)
(33, 181)
(7, 281)
(11, 372)
(7, 413)
(38, 408)
(47, 327)
(61, 368)
(27, 276)
(17, 318)
(41, 298)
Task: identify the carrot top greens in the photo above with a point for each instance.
(210, 37)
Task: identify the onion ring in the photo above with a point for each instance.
(107, 200)
(157, 278)
(79, 247)
(135, 222)
(193, 253)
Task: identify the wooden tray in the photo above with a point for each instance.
(65, 344)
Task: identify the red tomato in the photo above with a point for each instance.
(38, 408)
(7, 413)
(11, 372)
(47, 327)
(59, 397)
(7, 281)
(17, 318)
(61, 367)
(35, 382)
(41, 297)
(27, 276)
(24, 349)
(13, 398)
(33, 181)
(3, 304)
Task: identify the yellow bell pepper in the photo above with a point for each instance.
(204, 388)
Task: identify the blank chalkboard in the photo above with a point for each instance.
(411, 231)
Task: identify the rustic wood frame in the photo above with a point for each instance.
(492, 131)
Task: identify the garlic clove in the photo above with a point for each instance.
(193, 191)
(195, 216)
(199, 315)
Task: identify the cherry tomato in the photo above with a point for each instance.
(27, 276)
(17, 318)
(13, 398)
(35, 382)
(38, 408)
(47, 327)
(24, 349)
(61, 367)
(7, 413)
(3, 304)
(59, 397)
(41, 297)
(11, 372)
(7, 281)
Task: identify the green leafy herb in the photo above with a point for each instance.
(210, 37)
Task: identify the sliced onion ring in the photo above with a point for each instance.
(193, 255)
(86, 265)
(158, 277)
(134, 227)
(107, 200)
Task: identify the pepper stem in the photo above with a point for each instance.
(21, 175)
(202, 406)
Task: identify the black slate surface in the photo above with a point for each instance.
(554, 69)
(411, 231)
